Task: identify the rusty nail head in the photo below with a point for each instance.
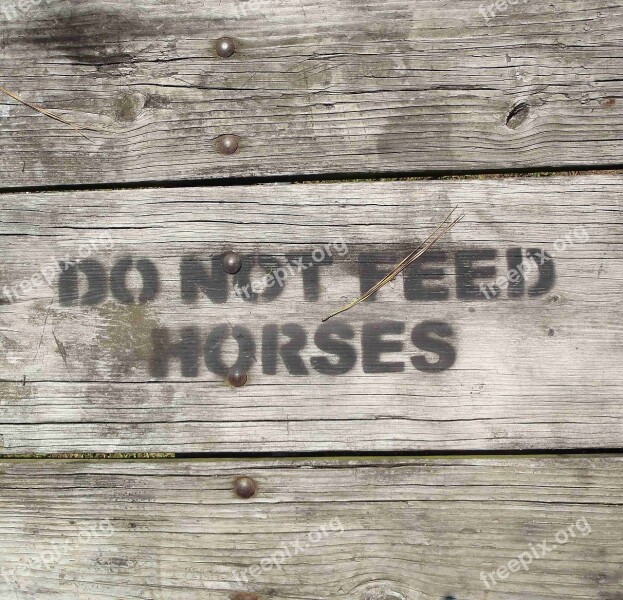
(244, 596)
(227, 144)
(232, 263)
(236, 377)
(244, 487)
(225, 47)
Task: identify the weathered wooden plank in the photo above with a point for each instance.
(537, 366)
(397, 529)
(315, 86)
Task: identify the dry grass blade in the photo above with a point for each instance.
(45, 112)
(401, 266)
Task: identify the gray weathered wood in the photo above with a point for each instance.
(317, 86)
(420, 529)
(532, 372)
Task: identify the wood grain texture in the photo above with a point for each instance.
(529, 372)
(396, 529)
(316, 87)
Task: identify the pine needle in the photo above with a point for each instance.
(45, 112)
(421, 249)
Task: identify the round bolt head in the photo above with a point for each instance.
(232, 263)
(244, 487)
(237, 378)
(225, 47)
(227, 144)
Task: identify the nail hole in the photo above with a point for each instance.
(518, 114)
(551, 332)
